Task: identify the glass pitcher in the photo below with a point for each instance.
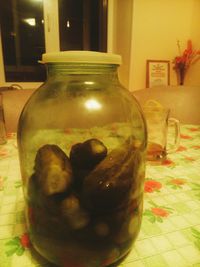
(82, 142)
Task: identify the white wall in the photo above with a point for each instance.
(157, 25)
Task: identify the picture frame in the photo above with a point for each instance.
(157, 73)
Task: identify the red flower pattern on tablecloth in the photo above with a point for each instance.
(3, 152)
(25, 241)
(168, 162)
(181, 148)
(190, 159)
(157, 213)
(193, 129)
(177, 183)
(160, 212)
(18, 245)
(68, 131)
(10, 135)
(184, 136)
(151, 185)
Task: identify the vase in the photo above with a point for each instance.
(181, 75)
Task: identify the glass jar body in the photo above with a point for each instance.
(82, 141)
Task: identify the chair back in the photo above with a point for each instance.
(183, 101)
(13, 102)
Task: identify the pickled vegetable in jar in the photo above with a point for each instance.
(82, 142)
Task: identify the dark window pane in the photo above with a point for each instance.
(22, 28)
(7, 32)
(71, 24)
(94, 25)
(83, 24)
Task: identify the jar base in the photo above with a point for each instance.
(113, 260)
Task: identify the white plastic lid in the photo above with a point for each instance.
(82, 57)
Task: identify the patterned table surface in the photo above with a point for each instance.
(170, 232)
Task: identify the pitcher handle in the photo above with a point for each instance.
(176, 124)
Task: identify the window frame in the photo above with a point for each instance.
(52, 43)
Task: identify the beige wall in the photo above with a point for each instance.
(193, 76)
(157, 25)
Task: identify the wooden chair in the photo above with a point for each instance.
(183, 101)
(13, 102)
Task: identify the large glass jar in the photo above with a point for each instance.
(82, 141)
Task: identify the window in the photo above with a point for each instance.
(32, 27)
(22, 33)
(83, 25)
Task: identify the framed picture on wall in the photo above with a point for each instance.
(157, 73)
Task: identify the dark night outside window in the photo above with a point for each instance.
(22, 31)
(82, 26)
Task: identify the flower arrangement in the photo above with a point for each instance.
(185, 59)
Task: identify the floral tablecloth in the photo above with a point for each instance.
(170, 232)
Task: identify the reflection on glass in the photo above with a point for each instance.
(30, 21)
(88, 83)
(93, 104)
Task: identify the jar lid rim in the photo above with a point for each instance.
(81, 57)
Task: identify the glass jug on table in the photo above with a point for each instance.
(163, 131)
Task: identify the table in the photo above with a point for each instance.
(170, 232)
